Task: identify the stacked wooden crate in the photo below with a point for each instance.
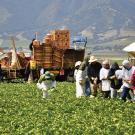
(38, 54)
(47, 55)
(57, 58)
(43, 54)
(36, 42)
(47, 39)
(50, 53)
(60, 39)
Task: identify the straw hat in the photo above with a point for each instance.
(92, 59)
(105, 62)
(78, 63)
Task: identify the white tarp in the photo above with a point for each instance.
(2, 55)
(130, 48)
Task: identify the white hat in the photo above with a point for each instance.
(125, 63)
(105, 62)
(92, 59)
(78, 63)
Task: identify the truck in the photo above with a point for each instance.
(56, 54)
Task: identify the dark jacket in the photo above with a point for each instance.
(115, 83)
(94, 70)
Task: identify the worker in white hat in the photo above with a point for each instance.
(127, 72)
(80, 80)
(77, 65)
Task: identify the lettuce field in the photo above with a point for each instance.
(23, 111)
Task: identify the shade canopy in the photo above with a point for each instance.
(130, 48)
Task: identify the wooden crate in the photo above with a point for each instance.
(61, 45)
(57, 58)
(39, 62)
(60, 35)
(36, 43)
(48, 60)
(47, 48)
(56, 64)
(38, 52)
(47, 64)
(47, 39)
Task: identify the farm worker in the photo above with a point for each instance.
(31, 45)
(80, 80)
(133, 84)
(93, 74)
(127, 72)
(77, 65)
(32, 69)
(115, 82)
(118, 75)
(46, 83)
(106, 84)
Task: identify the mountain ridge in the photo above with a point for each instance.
(99, 20)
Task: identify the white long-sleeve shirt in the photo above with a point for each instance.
(126, 75)
(106, 84)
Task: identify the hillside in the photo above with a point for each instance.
(99, 20)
